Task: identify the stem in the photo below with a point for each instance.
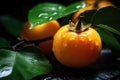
(79, 24)
(19, 43)
(35, 42)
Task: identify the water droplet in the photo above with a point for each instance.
(96, 43)
(5, 71)
(65, 45)
(89, 39)
(82, 38)
(64, 36)
(72, 38)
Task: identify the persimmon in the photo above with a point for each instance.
(99, 3)
(77, 13)
(105, 3)
(76, 45)
(92, 4)
(41, 32)
(46, 46)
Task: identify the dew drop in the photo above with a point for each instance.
(96, 43)
(64, 36)
(72, 38)
(89, 39)
(65, 45)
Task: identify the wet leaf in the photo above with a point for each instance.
(109, 39)
(45, 12)
(7, 60)
(74, 7)
(27, 64)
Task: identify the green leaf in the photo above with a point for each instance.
(4, 43)
(109, 39)
(45, 12)
(88, 15)
(29, 63)
(109, 29)
(7, 60)
(108, 16)
(12, 25)
(74, 7)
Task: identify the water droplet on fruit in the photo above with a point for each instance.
(89, 39)
(64, 36)
(65, 45)
(72, 38)
(96, 43)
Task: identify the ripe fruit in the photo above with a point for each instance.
(46, 46)
(105, 3)
(92, 5)
(77, 13)
(40, 32)
(76, 46)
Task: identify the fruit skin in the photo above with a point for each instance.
(105, 3)
(40, 32)
(100, 4)
(76, 49)
(46, 46)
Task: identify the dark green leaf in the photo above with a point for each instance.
(45, 12)
(109, 29)
(4, 43)
(108, 16)
(12, 25)
(7, 60)
(29, 63)
(88, 15)
(109, 39)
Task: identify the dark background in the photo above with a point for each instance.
(19, 8)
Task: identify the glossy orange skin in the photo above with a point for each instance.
(41, 32)
(76, 49)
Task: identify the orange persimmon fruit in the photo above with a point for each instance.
(92, 4)
(76, 47)
(41, 32)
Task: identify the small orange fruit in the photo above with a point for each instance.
(77, 13)
(105, 3)
(46, 46)
(92, 5)
(74, 48)
(41, 32)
